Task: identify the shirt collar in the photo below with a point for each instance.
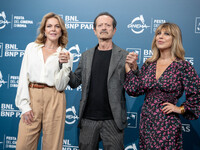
(59, 49)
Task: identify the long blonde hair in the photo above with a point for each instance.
(177, 50)
(41, 38)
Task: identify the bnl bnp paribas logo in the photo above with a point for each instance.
(3, 20)
(138, 25)
(197, 25)
(11, 50)
(72, 22)
(8, 111)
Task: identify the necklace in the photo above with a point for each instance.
(50, 48)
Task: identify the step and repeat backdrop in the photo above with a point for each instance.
(137, 21)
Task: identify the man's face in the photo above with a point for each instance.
(104, 28)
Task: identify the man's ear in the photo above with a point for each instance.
(94, 31)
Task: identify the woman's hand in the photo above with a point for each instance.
(28, 117)
(64, 57)
(169, 108)
(131, 61)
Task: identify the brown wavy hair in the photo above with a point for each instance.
(41, 38)
(177, 50)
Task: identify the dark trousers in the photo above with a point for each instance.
(92, 132)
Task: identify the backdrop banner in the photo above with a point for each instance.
(137, 21)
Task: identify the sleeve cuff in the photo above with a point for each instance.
(25, 109)
(132, 73)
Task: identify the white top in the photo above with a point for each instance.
(33, 69)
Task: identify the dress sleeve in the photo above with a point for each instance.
(134, 82)
(191, 83)
(22, 99)
(62, 77)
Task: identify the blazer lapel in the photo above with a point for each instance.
(115, 58)
(89, 65)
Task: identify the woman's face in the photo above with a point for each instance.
(164, 40)
(53, 30)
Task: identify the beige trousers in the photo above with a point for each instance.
(49, 108)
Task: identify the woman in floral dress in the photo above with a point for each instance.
(163, 78)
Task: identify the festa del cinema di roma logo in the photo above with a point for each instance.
(1, 80)
(138, 25)
(3, 21)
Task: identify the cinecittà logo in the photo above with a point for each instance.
(3, 21)
(138, 25)
(71, 115)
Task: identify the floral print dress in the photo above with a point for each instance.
(159, 130)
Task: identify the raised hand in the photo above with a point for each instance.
(131, 61)
(64, 57)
